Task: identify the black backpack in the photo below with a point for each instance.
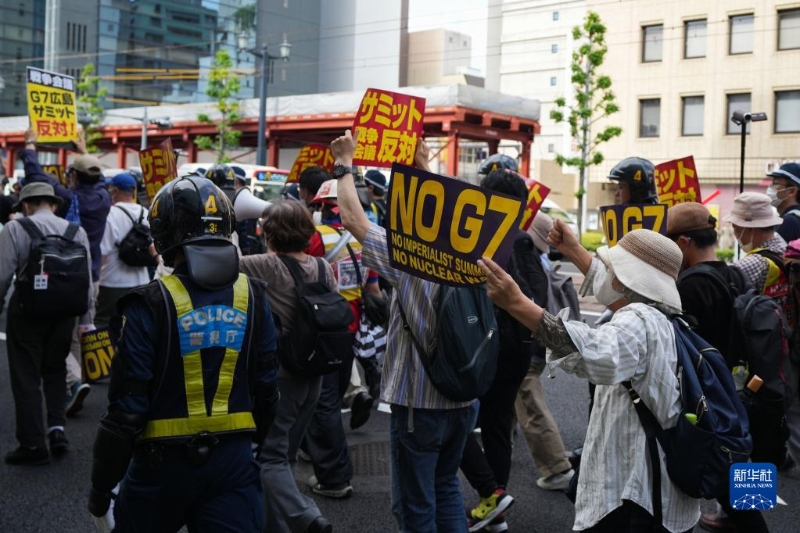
(320, 341)
(55, 280)
(462, 363)
(134, 248)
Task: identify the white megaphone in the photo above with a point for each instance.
(247, 206)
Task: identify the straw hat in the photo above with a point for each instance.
(647, 263)
(753, 210)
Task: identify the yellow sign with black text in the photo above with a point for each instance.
(97, 351)
(51, 106)
(618, 220)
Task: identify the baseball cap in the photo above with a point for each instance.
(124, 182)
(88, 164)
(689, 216)
(375, 178)
(789, 171)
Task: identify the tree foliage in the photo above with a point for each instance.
(90, 96)
(223, 86)
(245, 17)
(594, 100)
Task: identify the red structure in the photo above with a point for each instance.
(453, 122)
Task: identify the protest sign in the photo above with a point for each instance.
(537, 192)
(97, 350)
(58, 171)
(388, 126)
(51, 106)
(158, 167)
(621, 219)
(439, 227)
(311, 155)
(677, 182)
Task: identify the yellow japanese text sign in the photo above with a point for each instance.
(97, 350)
(58, 171)
(677, 182)
(618, 220)
(388, 126)
(311, 155)
(439, 227)
(537, 192)
(158, 167)
(51, 106)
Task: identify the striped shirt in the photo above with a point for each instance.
(755, 266)
(638, 344)
(404, 381)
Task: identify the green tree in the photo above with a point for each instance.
(223, 86)
(245, 17)
(90, 96)
(594, 101)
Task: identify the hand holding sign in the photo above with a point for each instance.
(343, 148)
(501, 288)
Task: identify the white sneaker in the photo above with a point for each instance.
(556, 481)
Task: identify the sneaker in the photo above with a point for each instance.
(58, 442)
(556, 481)
(498, 525)
(488, 509)
(28, 456)
(360, 410)
(320, 525)
(716, 522)
(339, 492)
(79, 393)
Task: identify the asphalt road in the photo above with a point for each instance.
(53, 498)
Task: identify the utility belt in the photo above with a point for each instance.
(197, 449)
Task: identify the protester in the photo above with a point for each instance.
(6, 203)
(311, 179)
(497, 162)
(637, 345)
(37, 345)
(784, 195)
(287, 228)
(169, 354)
(376, 186)
(428, 431)
(250, 242)
(792, 258)
(691, 226)
(116, 277)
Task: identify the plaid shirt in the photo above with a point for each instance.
(404, 381)
(755, 267)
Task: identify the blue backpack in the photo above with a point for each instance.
(698, 452)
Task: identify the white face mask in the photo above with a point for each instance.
(317, 216)
(603, 290)
(748, 246)
(772, 192)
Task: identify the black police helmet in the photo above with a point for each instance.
(189, 210)
(221, 175)
(497, 161)
(639, 174)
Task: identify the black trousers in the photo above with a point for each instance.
(37, 350)
(629, 518)
(488, 469)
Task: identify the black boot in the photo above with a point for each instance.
(372, 375)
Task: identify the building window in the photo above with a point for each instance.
(787, 111)
(553, 81)
(737, 102)
(555, 15)
(554, 49)
(789, 29)
(695, 39)
(693, 110)
(741, 28)
(551, 148)
(652, 43)
(649, 117)
(69, 24)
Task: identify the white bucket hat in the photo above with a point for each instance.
(753, 210)
(647, 263)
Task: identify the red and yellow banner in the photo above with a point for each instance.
(388, 126)
(51, 106)
(537, 192)
(311, 155)
(158, 167)
(677, 182)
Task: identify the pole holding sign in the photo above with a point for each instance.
(388, 126)
(439, 227)
(677, 182)
(158, 167)
(619, 220)
(311, 155)
(51, 106)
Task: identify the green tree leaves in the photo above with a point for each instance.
(223, 86)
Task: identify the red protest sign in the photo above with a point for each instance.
(311, 155)
(677, 182)
(388, 126)
(537, 192)
(158, 167)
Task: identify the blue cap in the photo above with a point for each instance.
(124, 182)
(375, 178)
(789, 171)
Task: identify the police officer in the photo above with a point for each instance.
(194, 380)
(636, 181)
(498, 162)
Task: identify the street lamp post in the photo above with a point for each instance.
(742, 119)
(266, 70)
